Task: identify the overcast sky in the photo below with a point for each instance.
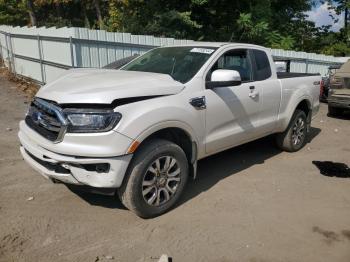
(320, 15)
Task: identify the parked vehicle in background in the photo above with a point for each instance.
(339, 93)
(326, 82)
(140, 130)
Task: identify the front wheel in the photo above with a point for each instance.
(155, 178)
(294, 138)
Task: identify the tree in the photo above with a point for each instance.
(13, 12)
(98, 13)
(250, 31)
(337, 49)
(340, 7)
(84, 13)
(31, 13)
(277, 41)
(272, 23)
(157, 17)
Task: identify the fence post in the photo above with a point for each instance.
(9, 52)
(98, 55)
(306, 66)
(1, 55)
(71, 51)
(12, 57)
(41, 60)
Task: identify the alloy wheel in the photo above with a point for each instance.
(298, 133)
(161, 180)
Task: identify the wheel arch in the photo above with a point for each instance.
(178, 133)
(303, 104)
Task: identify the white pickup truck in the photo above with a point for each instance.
(140, 130)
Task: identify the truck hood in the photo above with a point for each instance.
(102, 86)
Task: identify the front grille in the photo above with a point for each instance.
(50, 135)
(46, 119)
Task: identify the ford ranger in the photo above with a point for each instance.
(140, 130)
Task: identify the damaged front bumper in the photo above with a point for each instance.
(100, 172)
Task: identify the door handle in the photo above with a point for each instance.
(198, 102)
(253, 94)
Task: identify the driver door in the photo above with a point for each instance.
(232, 114)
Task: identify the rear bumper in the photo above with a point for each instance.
(339, 102)
(74, 169)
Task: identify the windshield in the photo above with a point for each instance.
(181, 63)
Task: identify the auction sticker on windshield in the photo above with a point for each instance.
(202, 50)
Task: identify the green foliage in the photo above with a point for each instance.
(260, 32)
(172, 23)
(199, 2)
(249, 31)
(12, 13)
(337, 49)
(272, 23)
(278, 41)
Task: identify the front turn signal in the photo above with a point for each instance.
(133, 147)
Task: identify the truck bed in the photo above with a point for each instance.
(283, 75)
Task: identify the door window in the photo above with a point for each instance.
(238, 60)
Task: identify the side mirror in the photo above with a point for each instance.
(224, 77)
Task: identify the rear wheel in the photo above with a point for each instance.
(294, 138)
(334, 111)
(155, 179)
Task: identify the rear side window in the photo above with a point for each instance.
(263, 68)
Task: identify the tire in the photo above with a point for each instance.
(295, 136)
(334, 111)
(143, 181)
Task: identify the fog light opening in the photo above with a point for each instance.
(98, 168)
(102, 168)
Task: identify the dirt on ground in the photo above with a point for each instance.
(252, 203)
(28, 87)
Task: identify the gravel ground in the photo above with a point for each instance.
(252, 203)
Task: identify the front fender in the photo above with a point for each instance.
(142, 119)
(167, 124)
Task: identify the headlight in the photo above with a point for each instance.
(91, 121)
